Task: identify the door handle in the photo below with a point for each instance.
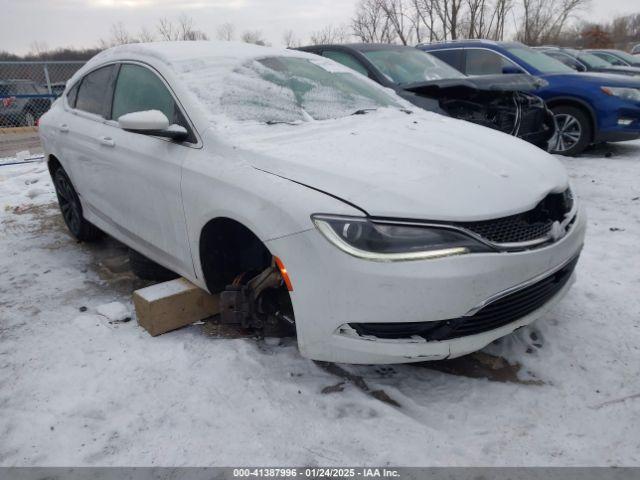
(107, 141)
(64, 128)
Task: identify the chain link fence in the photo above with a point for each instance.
(27, 90)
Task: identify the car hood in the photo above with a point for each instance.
(598, 79)
(419, 166)
(499, 83)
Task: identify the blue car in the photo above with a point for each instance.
(588, 107)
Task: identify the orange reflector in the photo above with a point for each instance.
(284, 273)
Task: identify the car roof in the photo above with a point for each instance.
(183, 52)
(471, 42)
(360, 47)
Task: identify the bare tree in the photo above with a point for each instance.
(330, 34)
(183, 29)
(542, 21)
(37, 48)
(120, 35)
(253, 36)
(371, 24)
(146, 36)
(226, 32)
(187, 31)
(167, 30)
(290, 40)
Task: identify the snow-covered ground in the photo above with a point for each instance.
(79, 385)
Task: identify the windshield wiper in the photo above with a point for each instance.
(364, 111)
(278, 122)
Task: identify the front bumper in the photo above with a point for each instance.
(331, 289)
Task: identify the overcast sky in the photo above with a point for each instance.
(81, 23)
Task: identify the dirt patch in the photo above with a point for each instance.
(481, 365)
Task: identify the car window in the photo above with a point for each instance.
(139, 89)
(72, 95)
(27, 89)
(95, 90)
(538, 60)
(410, 65)
(485, 62)
(347, 60)
(565, 59)
(451, 57)
(612, 59)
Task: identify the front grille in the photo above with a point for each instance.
(532, 225)
(503, 311)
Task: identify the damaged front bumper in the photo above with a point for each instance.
(333, 291)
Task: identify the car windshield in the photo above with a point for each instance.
(589, 59)
(627, 57)
(538, 60)
(291, 90)
(409, 65)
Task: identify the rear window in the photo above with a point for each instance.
(95, 91)
(452, 57)
(71, 96)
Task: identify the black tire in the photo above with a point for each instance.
(148, 269)
(574, 131)
(71, 209)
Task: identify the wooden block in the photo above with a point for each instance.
(166, 306)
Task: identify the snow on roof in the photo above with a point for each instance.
(181, 52)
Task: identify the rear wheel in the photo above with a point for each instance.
(573, 131)
(71, 209)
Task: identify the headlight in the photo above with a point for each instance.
(632, 94)
(389, 242)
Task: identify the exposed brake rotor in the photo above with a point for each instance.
(260, 302)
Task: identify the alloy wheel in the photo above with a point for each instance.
(568, 133)
(68, 201)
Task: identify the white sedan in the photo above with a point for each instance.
(309, 195)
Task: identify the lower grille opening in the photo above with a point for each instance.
(503, 311)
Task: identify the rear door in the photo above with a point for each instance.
(137, 177)
(76, 129)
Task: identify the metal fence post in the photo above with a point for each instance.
(47, 79)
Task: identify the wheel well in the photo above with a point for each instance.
(53, 164)
(228, 248)
(572, 103)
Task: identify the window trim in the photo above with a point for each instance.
(113, 123)
(190, 125)
(84, 113)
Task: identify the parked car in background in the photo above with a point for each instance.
(582, 61)
(497, 102)
(21, 103)
(636, 50)
(305, 192)
(588, 107)
(617, 57)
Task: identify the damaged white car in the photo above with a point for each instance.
(311, 196)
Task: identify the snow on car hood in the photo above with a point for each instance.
(418, 166)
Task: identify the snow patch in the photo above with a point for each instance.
(114, 311)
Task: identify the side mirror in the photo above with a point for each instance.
(152, 122)
(511, 69)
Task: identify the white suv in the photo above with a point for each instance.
(307, 193)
